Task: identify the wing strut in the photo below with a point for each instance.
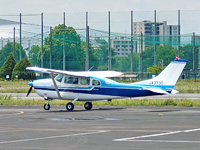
(55, 85)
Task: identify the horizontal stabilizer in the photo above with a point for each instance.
(160, 91)
(174, 91)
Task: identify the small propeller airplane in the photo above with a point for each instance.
(96, 86)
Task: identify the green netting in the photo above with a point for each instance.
(70, 45)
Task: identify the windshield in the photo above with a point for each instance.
(59, 77)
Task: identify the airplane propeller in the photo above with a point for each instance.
(29, 91)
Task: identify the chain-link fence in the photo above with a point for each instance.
(129, 42)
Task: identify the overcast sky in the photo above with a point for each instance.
(72, 6)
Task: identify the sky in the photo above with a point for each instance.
(98, 12)
(75, 6)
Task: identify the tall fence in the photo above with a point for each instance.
(103, 40)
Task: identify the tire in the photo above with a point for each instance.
(70, 106)
(88, 105)
(47, 106)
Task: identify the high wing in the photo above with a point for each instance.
(101, 74)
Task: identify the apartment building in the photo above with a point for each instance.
(122, 46)
(165, 34)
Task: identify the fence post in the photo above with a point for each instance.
(131, 42)
(20, 37)
(87, 44)
(194, 63)
(64, 41)
(42, 40)
(155, 37)
(14, 42)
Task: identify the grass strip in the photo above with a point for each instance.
(8, 100)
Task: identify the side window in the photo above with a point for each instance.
(108, 82)
(96, 82)
(59, 77)
(85, 81)
(71, 80)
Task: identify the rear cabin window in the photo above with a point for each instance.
(96, 82)
(108, 82)
(59, 77)
(85, 81)
(71, 80)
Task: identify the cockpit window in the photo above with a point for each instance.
(71, 80)
(96, 82)
(59, 77)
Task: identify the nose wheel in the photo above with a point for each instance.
(88, 105)
(47, 106)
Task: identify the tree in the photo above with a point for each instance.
(102, 52)
(74, 54)
(7, 49)
(124, 63)
(33, 54)
(20, 71)
(188, 54)
(93, 57)
(165, 54)
(8, 66)
(155, 70)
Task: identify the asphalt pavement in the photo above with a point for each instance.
(112, 128)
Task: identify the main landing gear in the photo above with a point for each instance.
(70, 106)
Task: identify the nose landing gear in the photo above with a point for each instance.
(47, 106)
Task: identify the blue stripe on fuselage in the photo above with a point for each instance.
(117, 89)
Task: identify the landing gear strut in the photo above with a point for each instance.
(88, 105)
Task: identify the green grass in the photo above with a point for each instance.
(186, 86)
(8, 100)
(14, 86)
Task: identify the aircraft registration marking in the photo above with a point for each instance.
(156, 82)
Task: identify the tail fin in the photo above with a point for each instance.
(169, 75)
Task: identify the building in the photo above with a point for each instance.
(122, 46)
(165, 34)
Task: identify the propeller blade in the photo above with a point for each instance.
(29, 91)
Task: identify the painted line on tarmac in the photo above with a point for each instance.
(163, 141)
(52, 137)
(156, 135)
(17, 113)
(145, 136)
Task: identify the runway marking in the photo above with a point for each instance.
(164, 141)
(191, 130)
(156, 135)
(18, 113)
(51, 137)
(145, 136)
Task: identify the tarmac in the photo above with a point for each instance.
(113, 128)
(170, 96)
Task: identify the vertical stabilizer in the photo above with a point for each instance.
(169, 75)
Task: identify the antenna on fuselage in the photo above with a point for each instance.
(91, 68)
